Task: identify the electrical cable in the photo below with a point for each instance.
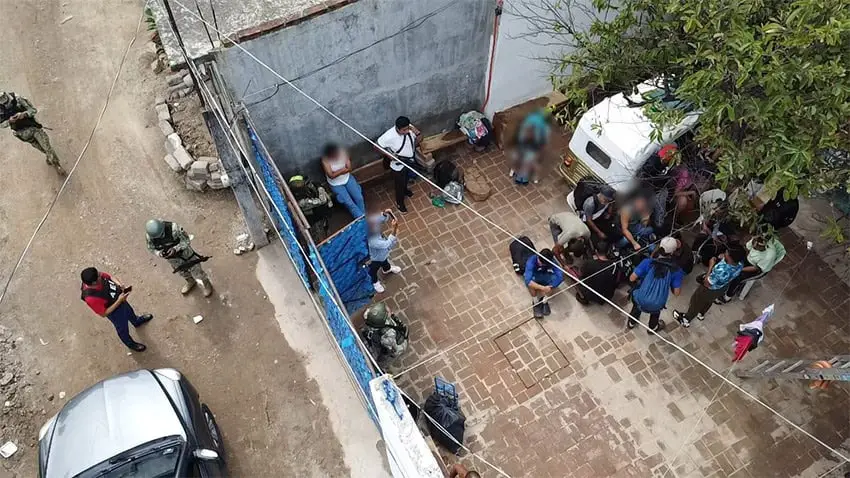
(409, 27)
(514, 237)
(52, 203)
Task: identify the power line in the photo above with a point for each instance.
(514, 237)
(77, 162)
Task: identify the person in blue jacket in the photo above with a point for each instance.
(541, 278)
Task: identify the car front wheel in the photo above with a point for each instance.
(215, 433)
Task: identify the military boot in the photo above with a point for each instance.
(207, 287)
(188, 286)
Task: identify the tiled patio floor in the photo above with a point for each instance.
(577, 395)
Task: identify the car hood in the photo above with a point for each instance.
(112, 416)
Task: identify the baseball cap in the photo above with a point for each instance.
(607, 192)
(669, 245)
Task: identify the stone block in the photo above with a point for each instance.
(218, 180)
(183, 158)
(184, 92)
(175, 78)
(215, 165)
(196, 184)
(162, 112)
(188, 81)
(160, 99)
(157, 66)
(173, 164)
(166, 128)
(199, 170)
(173, 142)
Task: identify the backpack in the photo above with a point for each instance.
(586, 187)
(520, 253)
(651, 294)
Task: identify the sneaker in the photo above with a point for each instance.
(722, 300)
(631, 323)
(511, 173)
(581, 299)
(538, 310)
(137, 347)
(680, 317)
(546, 309)
(700, 317)
(401, 208)
(379, 288)
(144, 319)
(207, 287)
(658, 328)
(394, 270)
(408, 193)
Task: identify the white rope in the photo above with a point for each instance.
(77, 162)
(509, 234)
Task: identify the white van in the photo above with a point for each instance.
(612, 140)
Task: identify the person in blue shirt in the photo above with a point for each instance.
(722, 270)
(380, 247)
(541, 278)
(656, 277)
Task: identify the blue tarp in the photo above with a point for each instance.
(346, 254)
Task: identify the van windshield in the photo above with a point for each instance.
(155, 459)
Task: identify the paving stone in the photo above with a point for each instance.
(199, 170)
(195, 184)
(184, 159)
(162, 112)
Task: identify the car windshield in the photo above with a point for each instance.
(155, 459)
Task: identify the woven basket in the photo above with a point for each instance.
(477, 186)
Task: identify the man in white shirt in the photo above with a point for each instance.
(400, 141)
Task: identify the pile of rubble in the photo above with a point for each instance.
(200, 173)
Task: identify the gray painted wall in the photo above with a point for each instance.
(431, 73)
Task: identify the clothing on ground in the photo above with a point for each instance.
(542, 273)
(571, 226)
(601, 276)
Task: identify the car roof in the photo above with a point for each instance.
(108, 418)
(623, 131)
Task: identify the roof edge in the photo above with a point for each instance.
(290, 19)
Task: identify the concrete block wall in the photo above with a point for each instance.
(431, 73)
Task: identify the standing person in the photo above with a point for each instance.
(532, 137)
(107, 297)
(541, 278)
(17, 113)
(168, 240)
(656, 276)
(599, 273)
(401, 141)
(380, 247)
(762, 255)
(722, 270)
(337, 167)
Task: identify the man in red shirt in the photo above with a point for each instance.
(108, 298)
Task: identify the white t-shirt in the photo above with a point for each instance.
(392, 142)
(335, 165)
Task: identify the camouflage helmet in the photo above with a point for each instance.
(155, 228)
(377, 314)
(5, 98)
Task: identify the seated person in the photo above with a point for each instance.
(337, 167)
(594, 208)
(314, 202)
(531, 139)
(569, 234)
(635, 223)
(654, 170)
(762, 255)
(599, 273)
(542, 278)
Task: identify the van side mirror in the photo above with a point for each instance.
(205, 454)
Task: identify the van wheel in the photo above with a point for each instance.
(214, 431)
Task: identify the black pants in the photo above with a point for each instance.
(375, 265)
(121, 318)
(735, 284)
(401, 189)
(653, 316)
(702, 299)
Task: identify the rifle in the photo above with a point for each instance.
(195, 259)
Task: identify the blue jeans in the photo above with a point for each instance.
(121, 318)
(351, 196)
(639, 232)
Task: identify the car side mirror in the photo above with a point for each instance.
(205, 454)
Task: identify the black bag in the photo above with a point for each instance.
(586, 187)
(520, 253)
(445, 172)
(780, 212)
(451, 419)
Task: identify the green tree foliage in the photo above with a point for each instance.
(770, 77)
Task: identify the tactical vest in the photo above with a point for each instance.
(109, 291)
(6, 113)
(167, 241)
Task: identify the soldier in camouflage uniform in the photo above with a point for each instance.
(18, 114)
(169, 240)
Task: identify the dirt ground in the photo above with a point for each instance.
(51, 344)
